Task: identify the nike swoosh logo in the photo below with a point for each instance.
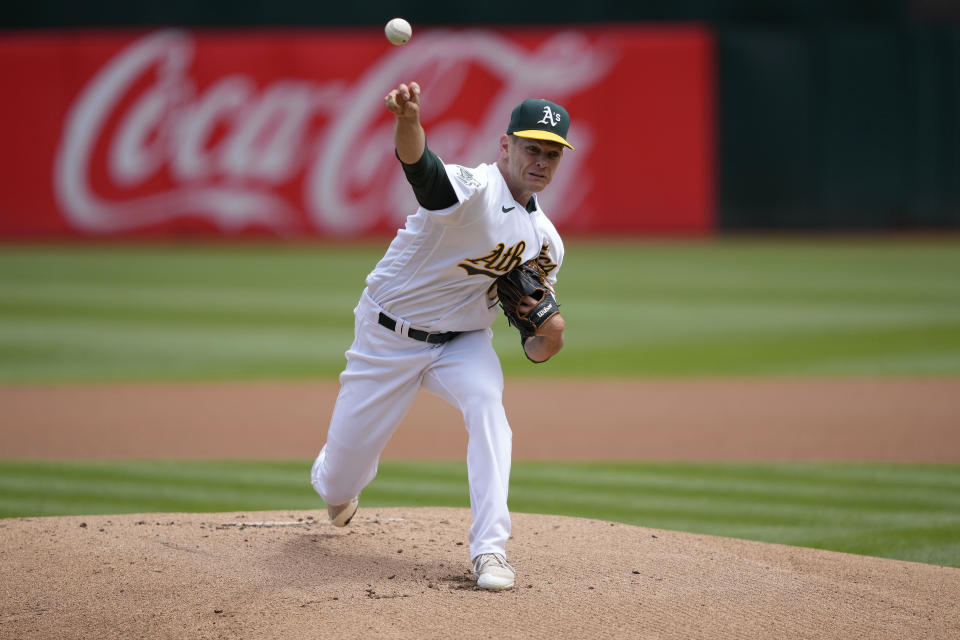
(505, 210)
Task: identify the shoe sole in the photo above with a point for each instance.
(491, 583)
(344, 517)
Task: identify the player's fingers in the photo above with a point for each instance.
(390, 101)
(411, 109)
(413, 104)
(404, 100)
(395, 102)
(525, 305)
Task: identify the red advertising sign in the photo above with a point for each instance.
(274, 132)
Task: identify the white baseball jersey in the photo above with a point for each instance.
(439, 270)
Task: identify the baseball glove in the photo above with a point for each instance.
(527, 279)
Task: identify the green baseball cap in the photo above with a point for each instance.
(541, 120)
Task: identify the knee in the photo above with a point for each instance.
(485, 394)
(483, 401)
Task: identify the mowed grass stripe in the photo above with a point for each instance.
(739, 511)
(926, 349)
(46, 349)
(803, 478)
(269, 267)
(758, 496)
(158, 339)
(178, 307)
(676, 319)
(636, 309)
(80, 487)
(165, 315)
(128, 499)
(918, 552)
(897, 511)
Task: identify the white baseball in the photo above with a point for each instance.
(398, 31)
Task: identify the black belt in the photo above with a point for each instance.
(416, 334)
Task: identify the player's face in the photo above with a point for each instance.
(532, 162)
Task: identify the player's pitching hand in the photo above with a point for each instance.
(525, 305)
(404, 101)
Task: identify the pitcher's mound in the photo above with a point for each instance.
(404, 573)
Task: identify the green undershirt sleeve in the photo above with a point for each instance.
(429, 180)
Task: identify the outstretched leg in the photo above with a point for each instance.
(382, 377)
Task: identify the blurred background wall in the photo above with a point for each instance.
(782, 114)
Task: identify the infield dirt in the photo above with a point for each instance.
(878, 420)
(404, 573)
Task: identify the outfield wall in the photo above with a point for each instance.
(269, 132)
(790, 123)
(848, 127)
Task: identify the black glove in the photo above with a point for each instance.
(527, 279)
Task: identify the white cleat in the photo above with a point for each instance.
(341, 514)
(493, 572)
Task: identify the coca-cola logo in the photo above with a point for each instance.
(144, 143)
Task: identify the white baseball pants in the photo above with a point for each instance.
(384, 371)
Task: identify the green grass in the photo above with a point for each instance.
(907, 512)
(694, 308)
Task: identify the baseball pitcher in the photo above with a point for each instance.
(478, 239)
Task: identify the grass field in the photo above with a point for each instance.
(633, 309)
(909, 512)
(654, 309)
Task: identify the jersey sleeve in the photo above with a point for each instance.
(470, 185)
(551, 254)
(466, 182)
(429, 181)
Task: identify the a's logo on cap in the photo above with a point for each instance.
(540, 119)
(549, 117)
